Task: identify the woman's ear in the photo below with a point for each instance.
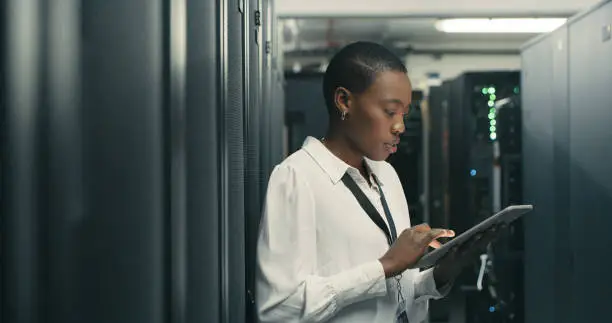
(342, 99)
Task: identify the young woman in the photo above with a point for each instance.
(335, 240)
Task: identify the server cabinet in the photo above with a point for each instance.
(538, 180)
(233, 289)
(273, 121)
(253, 111)
(438, 99)
(563, 260)
(121, 115)
(305, 107)
(267, 84)
(590, 70)
(84, 220)
(471, 136)
(279, 135)
(202, 113)
(470, 106)
(438, 155)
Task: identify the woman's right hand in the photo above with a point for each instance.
(410, 246)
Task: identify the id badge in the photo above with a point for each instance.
(401, 316)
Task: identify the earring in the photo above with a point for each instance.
(343, 116)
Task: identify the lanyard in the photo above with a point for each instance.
(390, 232)
(367, 206)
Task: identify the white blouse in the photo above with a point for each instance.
(318, 251)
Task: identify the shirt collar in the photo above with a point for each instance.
(331, 164)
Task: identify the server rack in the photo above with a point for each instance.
(471, 136)
(438, 199)
(505, 279)
(462, 140)
(202, 112)
(84, 220)
(131, 189)
(305, 107)
(408, 161)
(232, 161)
(590, 76)
(253, 38)
(566, 100)
(438, 155)
(539, 177)
(589, 115)
(267, 85)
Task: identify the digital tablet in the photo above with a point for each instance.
(506, 215)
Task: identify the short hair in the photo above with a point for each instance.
(355, 67)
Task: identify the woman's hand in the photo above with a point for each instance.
(410, 247)
(451, 265)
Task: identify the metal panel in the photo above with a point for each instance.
(538, 181)
(590, 202)
(305, 98)
(175, 52)
(559, 43)
(252, 117)
(202, 112)
(437, 157)
(85, 209)
(21, 281)
(232, 163)
(97, 90)
(278, 135)
(122, 125)
(267, 78)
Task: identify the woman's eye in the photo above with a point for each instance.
(390, 113)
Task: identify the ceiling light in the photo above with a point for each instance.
(511, 25)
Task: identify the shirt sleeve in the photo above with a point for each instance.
(287, 287)
(424, 287)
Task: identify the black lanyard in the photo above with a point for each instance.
(367, 206)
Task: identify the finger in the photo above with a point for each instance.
(423, 227)
(435, 244)
(440, 233)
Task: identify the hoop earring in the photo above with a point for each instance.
(343, 116)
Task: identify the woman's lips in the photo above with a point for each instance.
(391, 148)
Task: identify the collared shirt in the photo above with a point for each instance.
(318, 251)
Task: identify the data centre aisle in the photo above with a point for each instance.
(134, 157)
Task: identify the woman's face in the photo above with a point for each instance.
(375, 118)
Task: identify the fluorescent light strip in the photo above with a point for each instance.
(502, 25)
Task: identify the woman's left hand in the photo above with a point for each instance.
(449, 267)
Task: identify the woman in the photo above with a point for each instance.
(336, 241)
